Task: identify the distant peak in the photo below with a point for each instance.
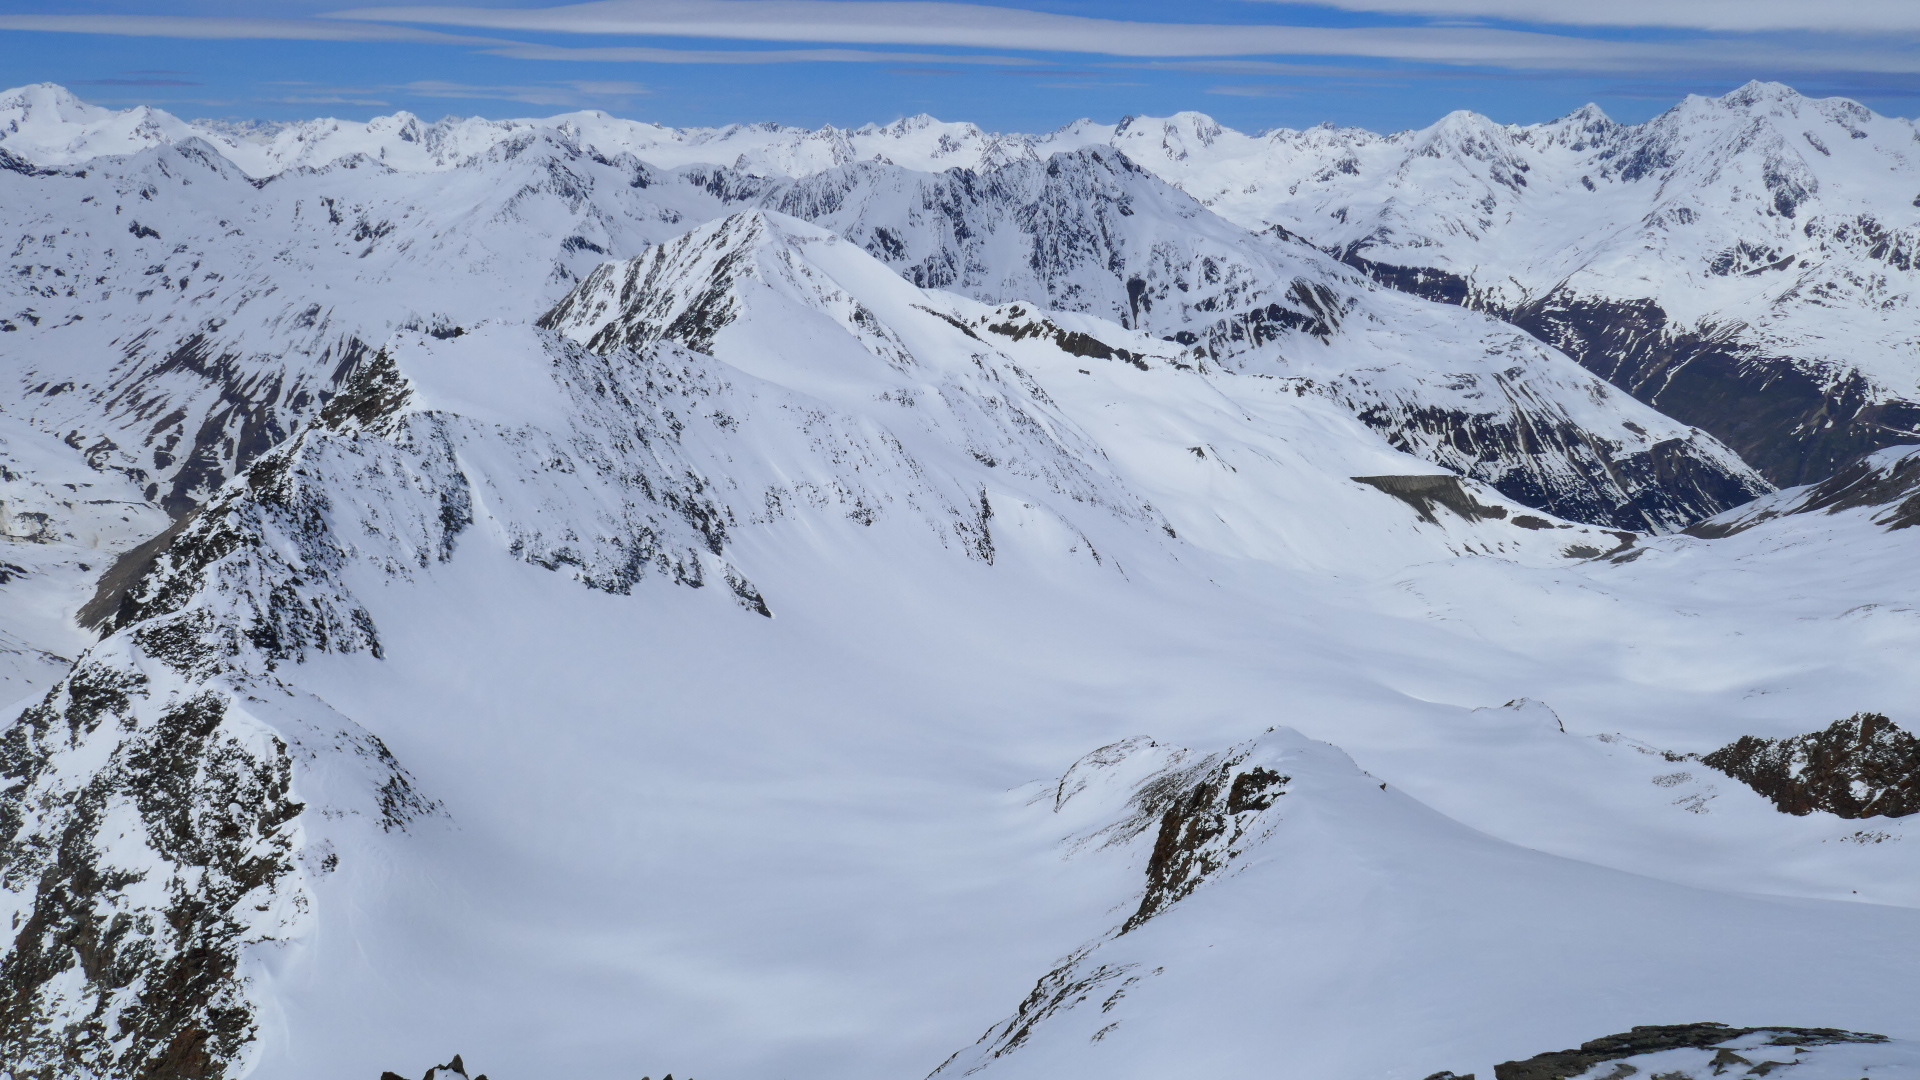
(47, 95)
(1755, 92)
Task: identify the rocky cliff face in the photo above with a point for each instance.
(1863, 766)
(1689, 1051)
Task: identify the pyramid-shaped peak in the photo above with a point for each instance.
(1466, 120)
(683, 288)
(916, 122)
(1757, 92)
(1464, 128)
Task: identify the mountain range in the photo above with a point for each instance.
(1136, 600)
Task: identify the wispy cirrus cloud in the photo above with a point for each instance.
(856, 31)
(571, 93)
(645, 54)
(925, 22)
(1254, 90)
(133, 82)
(220, 28)
(964, 25)
(1738, 16)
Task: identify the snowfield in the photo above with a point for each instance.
(611, 600)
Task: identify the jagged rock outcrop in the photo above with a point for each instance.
(452, 1068)
(1791, 1043)
(1860, 767)
(1204, 812)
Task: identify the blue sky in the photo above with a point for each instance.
(1253, 64)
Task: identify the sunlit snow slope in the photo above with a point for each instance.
(661, 625)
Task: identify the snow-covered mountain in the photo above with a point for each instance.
(1722, 262)
(209, 340)
(607, 614)
(1743, 263)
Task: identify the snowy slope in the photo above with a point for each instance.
(204, 344)
(735, 657)
(1743, 263)
(182, 318)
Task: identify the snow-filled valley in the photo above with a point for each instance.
(611, 600)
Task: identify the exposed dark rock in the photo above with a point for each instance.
(1066, 986)
(373, 391)
(1426, 491)
(110, 600)
(1561, 1064)
(1863, 766)
(1021, 324)
(165, 1003)
(1544, 460)
(452, 1068)
(1204, 814)
(1865, 482)
(1789, 424)
(199, 444)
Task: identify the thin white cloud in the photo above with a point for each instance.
(566, 93)
(1742, 16)
(1257, 90)
(912, 22)
(650, 55)
(213, 28)
(916, 22)
(578, 92)
(609, 87)
(973, 26)
(333, 99)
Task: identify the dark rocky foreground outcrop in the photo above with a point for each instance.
(454, 1067)
(1863, 766)
(457, 1067)
(1203, 814)
(1656, 1038)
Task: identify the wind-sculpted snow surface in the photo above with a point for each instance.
(1230, 950)
(628, 641)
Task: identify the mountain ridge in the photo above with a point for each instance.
(596, 614)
